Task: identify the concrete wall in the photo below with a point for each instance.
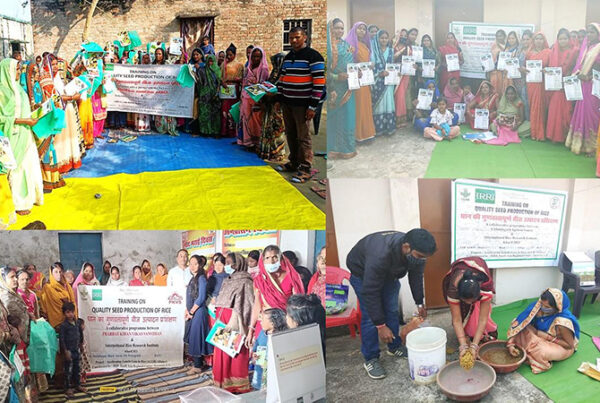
(259, 22)
(15, 10)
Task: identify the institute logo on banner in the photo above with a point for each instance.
(175, 299)
(97, 295)
(555, 202)
(487, 196)
(466, 195)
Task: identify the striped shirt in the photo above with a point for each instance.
(302, 81)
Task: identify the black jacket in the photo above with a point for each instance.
(377, 259)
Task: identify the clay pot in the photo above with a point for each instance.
(500, 368)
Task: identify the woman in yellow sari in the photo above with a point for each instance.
(54, 294)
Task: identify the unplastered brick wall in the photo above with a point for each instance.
(58, 28)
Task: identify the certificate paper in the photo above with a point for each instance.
(417, 52)
(535, 71)
(452, 62)
(425, 99)
(487, 62)
(460, 109)
(393, 77)
(502, 56)
(482, 119)
(408, 66)
(428, 68)
(512, 67)
(366, 77)
(596, 83)
(553, 78)
(352, 70)
(573, 90)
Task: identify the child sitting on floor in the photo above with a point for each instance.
(441, 119)
(271, 320)
(70, 339)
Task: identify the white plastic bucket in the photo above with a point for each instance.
(426, 353)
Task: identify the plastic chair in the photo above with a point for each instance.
(571, 281)
(350, 317)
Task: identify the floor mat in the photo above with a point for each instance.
(562, 382)
(240, 198)
(166, 384)
(159, 152)
(529, 159)
(124, 392)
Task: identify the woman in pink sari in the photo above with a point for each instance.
(361, 44)
(99, 113)
(453, 93)
(486, 98)
(469, 288)
(85, 277)
(538, 107)
(583, 131)
(563, 54)
(251, 114)
(451, 47)
(275, 283)
(402, 94)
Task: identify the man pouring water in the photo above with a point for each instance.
(377, 263)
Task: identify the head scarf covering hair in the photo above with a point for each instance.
(81, 280)
(588, 54)
(491, 93)
(453, 97)
(378, 54)
(14, 103)
(564, 58)
(436, 92)
(270, 291)
(14, 304)
(507, 107)
(263, 67)
(532, 46)
(353, 40)
(547, 323)
(215, 66)
(276, 62)
(116, 283)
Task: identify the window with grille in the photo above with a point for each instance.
(287, 27)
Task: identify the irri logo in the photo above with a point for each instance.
(485, 196)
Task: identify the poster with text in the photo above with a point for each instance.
(505, 225)
(133, 327)
(476, 40)
(151, 89)
(246, 240)
(203, 242)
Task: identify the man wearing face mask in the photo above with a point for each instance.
(377, 262)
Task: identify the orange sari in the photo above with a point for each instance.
(537, 94)
(365, 128)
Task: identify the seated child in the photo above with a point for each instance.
(70, 339)
(440, 122)
(271, 320)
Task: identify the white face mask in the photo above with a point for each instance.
(272, 267)
(228, 269)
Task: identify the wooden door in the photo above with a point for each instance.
(435, 211)
(333, 258)
(378, 12)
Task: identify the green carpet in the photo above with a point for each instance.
(562, 383)
(529, 159)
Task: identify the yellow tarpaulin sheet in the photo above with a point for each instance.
(223, 198)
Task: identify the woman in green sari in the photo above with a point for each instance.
(272, 140)
(341, 121)
(510, 124)
(207, 89)
(15, 123)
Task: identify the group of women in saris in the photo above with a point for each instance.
(546, 330)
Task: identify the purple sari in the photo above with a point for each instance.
(586, 116)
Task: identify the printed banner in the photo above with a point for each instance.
(507, 226)
(150, 89)
(133, 327)
(247, 240)
(202, 242)
(476, 40)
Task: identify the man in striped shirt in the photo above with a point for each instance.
(301, 87)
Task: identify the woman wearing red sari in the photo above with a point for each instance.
(563, 54)
(450, 47)
(403, 93)
(275, 283)
(252, 115)
(361, 44)
(234, 308)
(539, 50)
(499, 78)
(486, 98)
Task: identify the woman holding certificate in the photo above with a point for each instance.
(498, 77)
(563, 55)
(403, 96)
(539, 50)
(584, 124)
(486, 98)
(232, 72)
(384, 115)
(451, 47)
(341, 141)
(361, 44)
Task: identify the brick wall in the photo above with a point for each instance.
(242, 22)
